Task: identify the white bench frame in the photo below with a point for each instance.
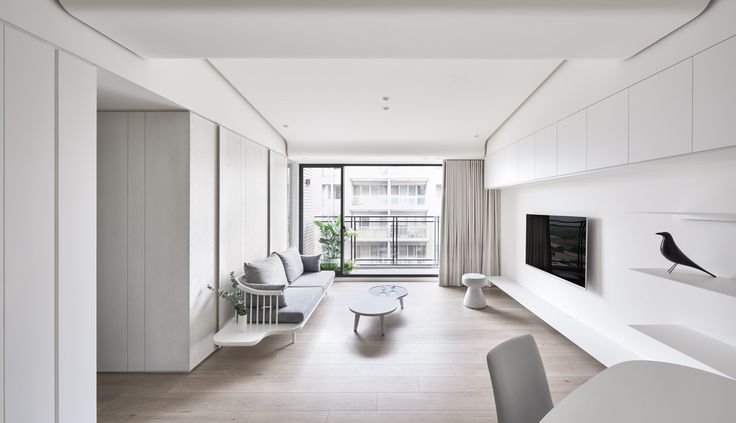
(231, 336)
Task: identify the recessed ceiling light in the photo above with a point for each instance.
(476, 135)
(386, 107)
(385, 98)
(285, 125)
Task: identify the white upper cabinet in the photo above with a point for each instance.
(571, 143)
(545, 156)
(511, 164)
(494, 171)
(608, 132)
(660, 114)
(714, 97)
(526, 158)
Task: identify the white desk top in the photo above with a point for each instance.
(648, 392)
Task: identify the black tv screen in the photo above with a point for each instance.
(558, 245)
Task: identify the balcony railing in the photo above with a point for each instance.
(392, 241)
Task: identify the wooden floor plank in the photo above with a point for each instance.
(429, 367)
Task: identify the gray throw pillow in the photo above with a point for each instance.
(292, 263)
(267, 271)
(311, 263)
(265, 287)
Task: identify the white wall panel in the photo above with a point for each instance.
(571, 143)
(279, 202)
(167, 241)
(660, 114)
(231, 229)
(136, 261)
(608, 132)
(526, 159)
(77, 231)
(256, 202)
(112, 227)
(29, 229)
(202, 238)
(714, 97)
(545, 153)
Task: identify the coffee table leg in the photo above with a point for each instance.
(382, 331)
(355, 324)
(401, 300)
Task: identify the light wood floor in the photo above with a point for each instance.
(429, 367)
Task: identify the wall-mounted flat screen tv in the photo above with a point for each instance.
(558, 245)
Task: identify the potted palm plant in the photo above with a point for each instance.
(330, 238)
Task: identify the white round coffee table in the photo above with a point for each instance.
(474, 297)
(369, 305)
(390, 291)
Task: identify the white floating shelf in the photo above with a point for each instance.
(709, 217)
(713, 353)
(720, 285)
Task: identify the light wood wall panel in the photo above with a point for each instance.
(76, 220)
(112, 244)
(30, 229)
(231, 230)
(135, 216)
(167, 241)
(202, 238)
(279, 202)
(256, 202)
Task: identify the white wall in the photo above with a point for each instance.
(192, 83)
(48, 225)
(77, 239)
(619, 238)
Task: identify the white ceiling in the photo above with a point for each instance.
(335, 106)
(491, 29)
(453, 70)
(116, 93)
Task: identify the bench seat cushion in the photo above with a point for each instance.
(322, 280)
(300, 302)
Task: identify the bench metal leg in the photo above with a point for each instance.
(355, 322)
(401, 301)
(382, 326)
(293, 338)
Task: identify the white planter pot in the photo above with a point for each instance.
(242, 323)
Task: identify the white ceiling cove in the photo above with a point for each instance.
(452, 70)
(490, 29)
(445, 108)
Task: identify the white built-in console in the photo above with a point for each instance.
(708, 350)
(611, 340)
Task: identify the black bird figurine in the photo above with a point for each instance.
(672, 252)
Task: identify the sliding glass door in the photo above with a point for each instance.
(389, 215)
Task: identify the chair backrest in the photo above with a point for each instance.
(519, 381)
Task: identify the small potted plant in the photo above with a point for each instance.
(236, 298)
(348, 267)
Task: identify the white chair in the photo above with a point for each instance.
(519, 381)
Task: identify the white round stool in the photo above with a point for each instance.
(474, 297)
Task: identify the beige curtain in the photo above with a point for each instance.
(469, 223)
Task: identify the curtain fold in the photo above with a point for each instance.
(469, 224)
